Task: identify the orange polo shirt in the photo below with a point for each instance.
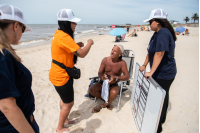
(61, 48)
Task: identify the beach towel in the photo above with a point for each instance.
(123, 37)
(105, 90)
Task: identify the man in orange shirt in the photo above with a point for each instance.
(65, 50)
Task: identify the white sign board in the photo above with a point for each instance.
(146, 102)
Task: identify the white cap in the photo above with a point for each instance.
(9, 12)
(157, 13)
(67, 15)
(121, 47)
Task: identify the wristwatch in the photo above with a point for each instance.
(116, 78)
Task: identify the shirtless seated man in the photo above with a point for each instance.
(133, 33)
(111, 68)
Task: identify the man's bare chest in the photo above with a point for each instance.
(114, 68)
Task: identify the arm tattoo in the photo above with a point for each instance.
(76, 53)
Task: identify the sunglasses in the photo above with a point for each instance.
(151, 21)
(23, 27)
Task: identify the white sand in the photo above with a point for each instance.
(183, 115)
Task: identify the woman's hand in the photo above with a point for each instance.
(80, 44)
(148, 74)
(82, 52)
(142, 68)
(90, 41)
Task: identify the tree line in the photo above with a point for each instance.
(194, 17)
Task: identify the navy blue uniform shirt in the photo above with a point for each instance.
(15, 81)
(163, 41)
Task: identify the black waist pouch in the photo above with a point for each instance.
(72, 72)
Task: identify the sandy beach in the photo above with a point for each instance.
(183, 112)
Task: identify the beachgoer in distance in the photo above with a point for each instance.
(111, 68)
(186, 32)
(161, 56)
(65, 50)
(177, 33)
(118, 38)
(133, 33)
(127, 29)
(17, 102)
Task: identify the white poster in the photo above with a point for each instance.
(146, 102)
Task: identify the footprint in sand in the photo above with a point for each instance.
(75, 114)
(79, 130)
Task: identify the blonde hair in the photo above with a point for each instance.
(4, 43)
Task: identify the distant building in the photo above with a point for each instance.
(173, 22)
(122, 26)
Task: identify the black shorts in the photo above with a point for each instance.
(66, 91)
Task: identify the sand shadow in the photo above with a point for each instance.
(91, 126)
(125, 97)
(84, 112)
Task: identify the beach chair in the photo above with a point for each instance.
(128, 56)
(123, 37)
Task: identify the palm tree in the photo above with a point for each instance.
(195, 17)
(187, 19)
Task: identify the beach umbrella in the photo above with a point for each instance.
(117, 32)
(138, 25)
(180, 29)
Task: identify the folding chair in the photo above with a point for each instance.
(128, 56)
(123, 37)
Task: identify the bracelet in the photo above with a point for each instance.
(144, 65)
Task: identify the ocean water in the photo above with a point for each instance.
(43, 33)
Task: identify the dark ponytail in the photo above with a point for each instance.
(165, 24)
(65, 26)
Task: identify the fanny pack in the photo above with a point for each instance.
(72, 72)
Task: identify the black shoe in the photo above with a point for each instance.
(90, 96)
(86, 95)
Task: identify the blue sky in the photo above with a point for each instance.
(103, 11)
